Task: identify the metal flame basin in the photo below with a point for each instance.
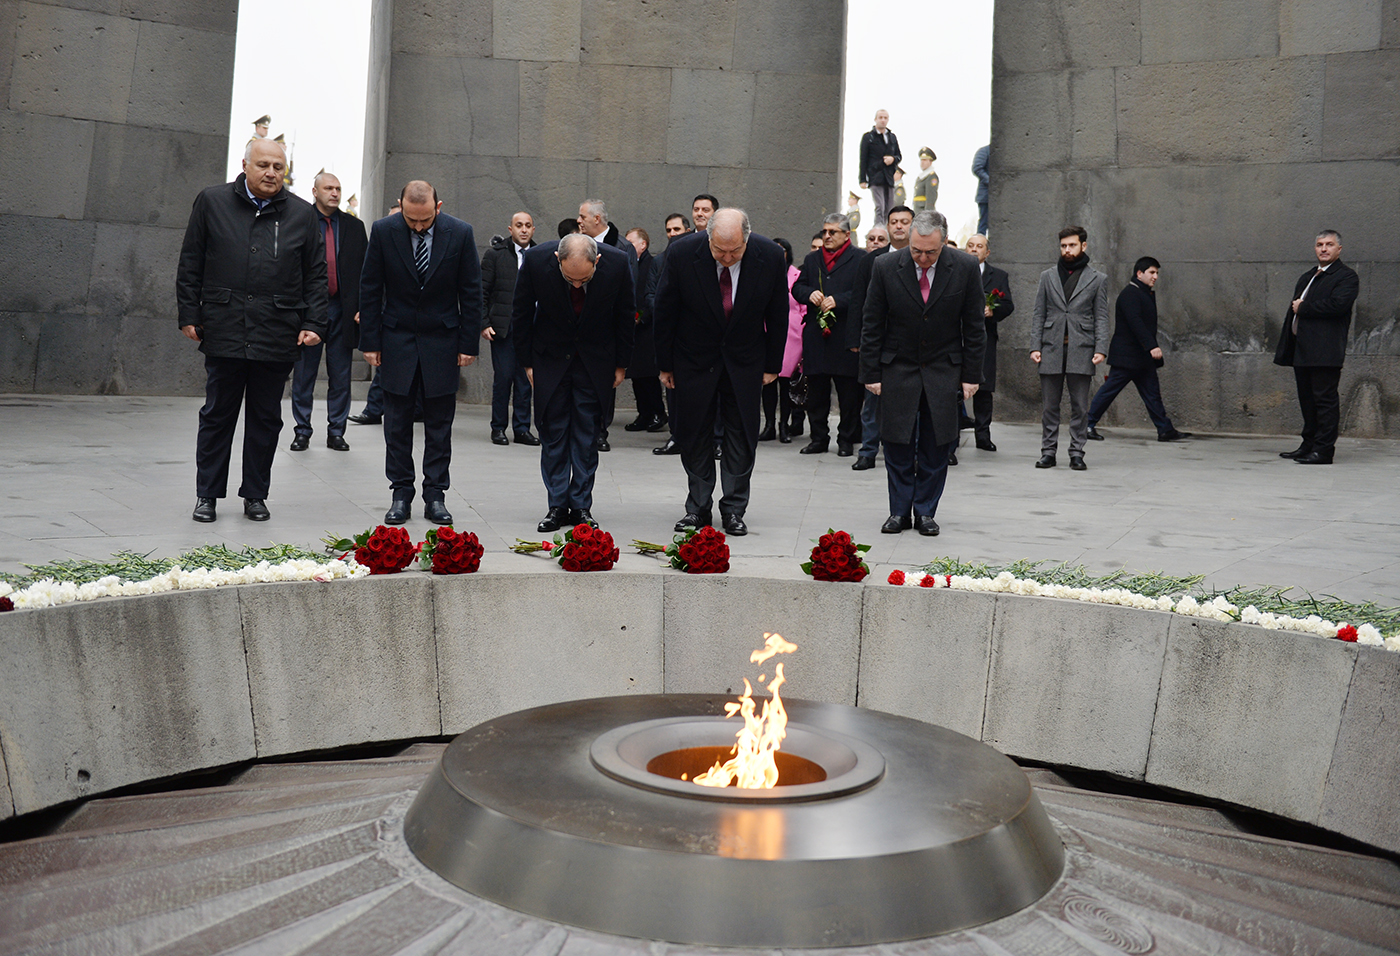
(916, 831)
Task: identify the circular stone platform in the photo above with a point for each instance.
(915, 831)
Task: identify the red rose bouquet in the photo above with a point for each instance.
(585, 548)
(444, 551)
(694, 551)
(383, 550)
(837, 558)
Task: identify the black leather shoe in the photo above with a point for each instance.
(1093, 434)
(769, 433)
(952, 459)
(734, 526)
(399, 512)
(965, 423)
(719, 451)
(670, 448)
(301, 443)
(1298, 452)
(337, 443)
(863, 464)
(498, 437)
(659, 424)
(894, 524)
(204, 510)
(692, 520)
(525, 438)
(603, 445)
(815, 447)
(844, 450)
(1174, 435)
(255, 509)
(926, 525)
(1076, 463)
(582, 516)
(1314, 458)
(784, 435)
(638, 424)
(367, 419)
(436, 512)
(1046, 461)
(554, 519)
(986, 444)
(796, 428)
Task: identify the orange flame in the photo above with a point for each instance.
(752, 765)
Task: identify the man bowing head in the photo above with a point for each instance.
(720, 317)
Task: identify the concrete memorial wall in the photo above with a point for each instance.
(1219, 139)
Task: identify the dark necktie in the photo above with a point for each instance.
(726, 292)
(330, 257)
(576, 297)
(420, 254)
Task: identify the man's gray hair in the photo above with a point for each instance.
(248, 150)
(1329, 232)
(596, 207)
(837, 219)
(723, 220)
(878, 228)
(578, 244)
(928, 220)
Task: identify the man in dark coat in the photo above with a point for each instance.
(573, 321)
(677, 225)
(499, 266)
(879, 155)
(921, 351)
(899, 224)
(1314, 341)
(996, 284)
(420, 318)
(646, 387)
(981, 169)
(593, 221)
(345, 241)
(1134, 355)
(826, 283)
(250, 288)
(721, 324)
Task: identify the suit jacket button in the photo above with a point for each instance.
(250, 297)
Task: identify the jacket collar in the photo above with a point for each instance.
(240, 189)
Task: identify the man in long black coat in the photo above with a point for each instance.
(997, 284)
(921, 351)
(420, 318)
(721, 324)
(499, 265)
(827, 283)
(250, 289)
(573, 320)
(1314, 341)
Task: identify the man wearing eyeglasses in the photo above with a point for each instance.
(830, 337)
(921, 350)
(573, 319)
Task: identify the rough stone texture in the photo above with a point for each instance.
(183, 162)
(1335, 28)
(543, 30)
(925, 654)
(669, 33)
(1361, 92)
(495, 657)
(73, 63)
(769, 41)
(46, 263)
(554, 121)
(339, 664)
(1030, 38)
(1360, 792)
(421, 24)
(163, 50)
(7, 801)
(474, 105)
(94, 697)
(31, 182)
(700, 136)
(19, 350)
(221, 16)
(434, 29)
(1239, 704)
(1074, 684)
(1244, 29)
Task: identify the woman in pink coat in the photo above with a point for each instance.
(776, 393)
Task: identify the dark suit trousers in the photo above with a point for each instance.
(650, 404)
(870, 426)
(736, 461)
(438, 413)
(848, 402)
(1052, 389)
(338, 353)
(507, 374)
(982, 414)
(1148, 387)
(1321, 406)
(568, 427)
(884, 201)
(257, 387)
(917, 472)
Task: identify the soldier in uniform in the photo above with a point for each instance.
(287, 177)
(260, 126)
(926, 185)
(853, 209)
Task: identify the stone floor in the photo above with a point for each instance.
(83, 477)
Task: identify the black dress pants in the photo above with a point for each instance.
(438, 414)
(257, 387)
(650, 404)
(736, 460)
(849, 396)
(1321, 406)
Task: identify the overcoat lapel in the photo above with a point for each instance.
(942, 275)
(909, 276)
(442, 235)
(708, 276)
(1079, 287)
(1057, 288)
(403, 241)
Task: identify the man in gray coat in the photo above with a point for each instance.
(1071, 326)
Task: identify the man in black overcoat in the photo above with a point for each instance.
(499, 266)
(420, 318)
(826, 283)
(250, 288)
(879, 157)
(995, 283)
(646, 386)
(720, 316)
(921, 351)
(573, 320)
(1314, 341)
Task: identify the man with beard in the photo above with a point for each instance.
(997, 284)
(1071, 327)
(499, 267)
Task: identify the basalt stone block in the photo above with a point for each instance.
(98, 696)
(1359, 799)
(493, 188)
(1173, 34)
(497, 654)
(9, 16)
(1249, 716)
(1306, 28)
(630, 189)
(924, 654)
(72, 63)
(1054, 120)
(1390, 24)
(369, 674)
(438, 28)
(19, 350)
(76, 354)
(709, 116)
(7, 801)
(182, 162)
(669, 33)
(133, 271)
(151, 357)
(1028, 208)
(46, 264)
(473, 109)
(44, 164)
(1079, 34)
(779, 202)
(714, 622)
(183, 79)
(439, 169)
(1361, 93)
(218, 16)
(618, 124)
(543, 30)
(1215, 305)
(792, 114)
(812, 36)
(1073, 683)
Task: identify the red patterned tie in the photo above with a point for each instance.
(330, 256)
(726, 292)
(923, 283)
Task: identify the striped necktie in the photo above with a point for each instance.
(420, 254)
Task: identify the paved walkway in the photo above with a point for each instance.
(87, 476)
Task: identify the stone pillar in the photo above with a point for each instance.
(1219, 140)
(112, 122)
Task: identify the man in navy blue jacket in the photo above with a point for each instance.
(420, 318)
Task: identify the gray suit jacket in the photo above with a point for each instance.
(1084, 318)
